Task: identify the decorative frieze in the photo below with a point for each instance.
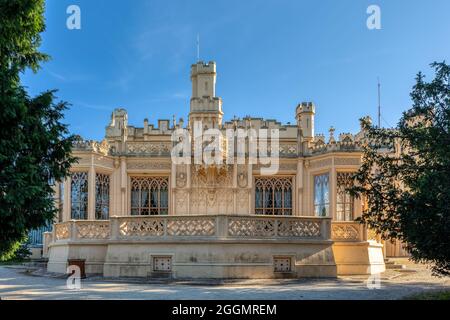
(149, 165)
(347, 161)
(320, 163)
(149, 148)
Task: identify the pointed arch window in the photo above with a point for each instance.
(273, 196)
(322, 195)
(102, 182)
(149, 196)
(79, 195)
(345, 202)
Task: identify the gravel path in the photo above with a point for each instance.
(15, 283)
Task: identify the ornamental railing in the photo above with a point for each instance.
(208, 227)
(352, 231)
(82, 230)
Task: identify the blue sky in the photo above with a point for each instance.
(270, 56)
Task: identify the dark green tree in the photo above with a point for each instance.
(35, 146)
(405, 175)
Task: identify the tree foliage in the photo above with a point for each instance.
(35, 146)
(405, 175)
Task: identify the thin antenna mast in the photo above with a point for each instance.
(198, 47)
(379, 103)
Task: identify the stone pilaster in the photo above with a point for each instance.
(91, 193)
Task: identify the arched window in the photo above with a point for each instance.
(101, 196)
(79, 195)
(273, 196)
(149, 196)
(322, 195)
(344, 203)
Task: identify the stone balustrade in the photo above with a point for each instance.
(352, 231)
(208, 227)
(82, 230)
(348, 231)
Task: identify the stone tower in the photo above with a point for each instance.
(305, 120)
(205, 106)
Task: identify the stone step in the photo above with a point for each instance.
(395, 266)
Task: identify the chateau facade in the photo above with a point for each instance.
(129, 210)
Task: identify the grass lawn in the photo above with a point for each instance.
(435, 295)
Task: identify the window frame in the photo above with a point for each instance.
(80, 203)
(161, 210)
(102, 202)
(272, 211)
(327, 204)
(350, 215)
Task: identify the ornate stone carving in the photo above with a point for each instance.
(211, 176)
(62, 231)
(294, 228)
(347, 161)
(288, 149)
(242, 198)
(242, 227)
(142, 227)
(149, 165)
(321, 163)
(273, 227)
(191, 227)
(161, 226)
(149, 148)
(242, 176)
(102, 147)
(181, 178)
(181, 197)
(345, 231)
(93, 230)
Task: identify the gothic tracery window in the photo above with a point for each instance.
(345, 204)
(102, 182)
(149, 196)
(79, 195)
(273, 196)
(322, 195)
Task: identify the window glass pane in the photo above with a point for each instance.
(273, 196)
(321, 195)
(101, 197)
(288, 199)
(79, 195)
(344, 200)
(150, 195)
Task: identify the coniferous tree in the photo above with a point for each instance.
(405, 175)
(35, 146)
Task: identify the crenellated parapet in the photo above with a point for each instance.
(347, 143)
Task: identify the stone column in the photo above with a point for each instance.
(188, 186)
(67, 205)
(250, 187)
(123, 186)
(333, 191)
(172, 190)
(299, 189)
(235, 173)
(91, 193)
